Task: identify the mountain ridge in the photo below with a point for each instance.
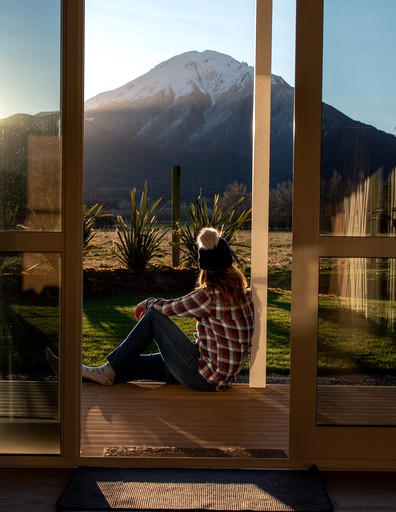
(195, 110)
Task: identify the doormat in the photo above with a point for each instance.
(235, 452)
(163, 489)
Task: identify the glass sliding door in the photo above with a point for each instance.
(30, 224)
(343, 322)
(356, 325)
(356, 342)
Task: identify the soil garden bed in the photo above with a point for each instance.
(156, 278)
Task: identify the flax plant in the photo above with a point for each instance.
(227, 221)
(90, 217)
(139, 241)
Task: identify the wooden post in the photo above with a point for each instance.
(261, 168)
(175, 215)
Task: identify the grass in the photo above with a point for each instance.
(108, 320)
(348, 342)
(26, 330)
(104, 252)
(352, 341)
(278, 332)
(101, 336)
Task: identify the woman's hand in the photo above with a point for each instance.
(141, 309)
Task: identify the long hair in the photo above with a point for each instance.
(230, 285)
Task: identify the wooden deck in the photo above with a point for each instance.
(153, 419)
(137, 419)
(153, 416)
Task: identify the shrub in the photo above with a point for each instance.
(139, 241)
(90, 219)
(227, 221)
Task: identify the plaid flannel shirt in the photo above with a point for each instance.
(223, 333)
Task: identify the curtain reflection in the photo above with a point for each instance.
(366, 286)
(367, 210)
(392, 202)
(392, 293)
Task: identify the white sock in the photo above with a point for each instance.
(101, 374)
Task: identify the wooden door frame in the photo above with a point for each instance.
(68, 242)
(362, 447)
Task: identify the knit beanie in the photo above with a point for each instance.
(214, 253)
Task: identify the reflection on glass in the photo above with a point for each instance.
(356, 342)
(29, 313)
(364, 207)
(358, 186)
(30, 121)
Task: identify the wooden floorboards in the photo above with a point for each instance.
(157, 415)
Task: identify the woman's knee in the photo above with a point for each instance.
(155, 316)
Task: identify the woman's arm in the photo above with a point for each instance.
(195, 304)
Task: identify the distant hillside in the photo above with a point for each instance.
(195, 110)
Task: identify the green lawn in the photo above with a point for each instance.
(348, 342)
(108, 320)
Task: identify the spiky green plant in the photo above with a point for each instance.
(227, 221)
(90, 216)
(140, 239)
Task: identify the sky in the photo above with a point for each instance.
(29, 56)
(127, 38)
(359, 68)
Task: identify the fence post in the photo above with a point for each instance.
(175, 215)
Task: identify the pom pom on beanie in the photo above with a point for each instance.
(214, 253)
(208, 239)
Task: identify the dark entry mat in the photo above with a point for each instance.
(195, 489)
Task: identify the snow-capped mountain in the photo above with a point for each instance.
(195, 110)
(208, 73)
(177, 105)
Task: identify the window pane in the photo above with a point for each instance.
(30, 98)
(356, 341)
(358, 175)
(29, 389)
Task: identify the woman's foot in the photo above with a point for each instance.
(52, 360)
(104, 375)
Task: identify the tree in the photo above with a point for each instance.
(280, 205)
(232, 194)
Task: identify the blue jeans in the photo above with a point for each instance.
(176, 362)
